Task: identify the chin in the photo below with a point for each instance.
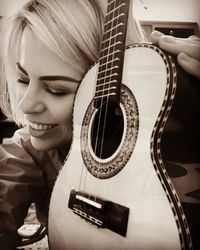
(43, 145)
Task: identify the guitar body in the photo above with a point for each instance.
(132, 175)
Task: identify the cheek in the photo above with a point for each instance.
(11, 76)
(16, 95)
(62, 111)
(20, 91)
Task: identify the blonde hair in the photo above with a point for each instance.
(70, 28)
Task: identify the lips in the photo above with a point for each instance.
(40, 129)
(40, 126)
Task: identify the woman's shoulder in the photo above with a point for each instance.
(12, 147)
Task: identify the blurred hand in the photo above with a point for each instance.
(186, 49)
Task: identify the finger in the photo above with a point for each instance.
(189, 64)
(155, 36)
(175, 46)
(194, 38)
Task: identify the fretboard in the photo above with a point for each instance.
(112, 53)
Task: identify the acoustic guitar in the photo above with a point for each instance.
(113, 191)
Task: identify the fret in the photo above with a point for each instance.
(112, 46)
(110, 2)
(108, 69)
(105, 71)
(105, 77)
(105, 95)
(116, 8)
(110, 83)
(109, 65)
(106, 89)
(114, 5)
(114, 28)
(112, 37)
(116, 59)
(115, 21)
(109, 51)
(112, 53)
(115, 18)
(110, 59)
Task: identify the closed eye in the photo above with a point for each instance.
(25, 82)
(57, 92)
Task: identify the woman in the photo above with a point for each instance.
(46, 51)
(47, 47)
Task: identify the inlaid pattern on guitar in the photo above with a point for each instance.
(128, 122)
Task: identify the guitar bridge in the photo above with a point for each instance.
(102, 213)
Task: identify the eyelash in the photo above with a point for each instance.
(52, 92)
(56, 92)
(25, 82)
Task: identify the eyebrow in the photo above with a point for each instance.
(56, 78)
(50, 78)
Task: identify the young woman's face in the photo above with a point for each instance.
(46, 88)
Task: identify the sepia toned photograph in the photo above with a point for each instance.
(99, 125)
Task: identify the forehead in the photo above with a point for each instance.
(37, 58)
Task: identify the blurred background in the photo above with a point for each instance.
(172, 14)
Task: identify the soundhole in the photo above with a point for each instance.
(106, 158)
(107, 130)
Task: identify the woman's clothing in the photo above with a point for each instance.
(26, 176)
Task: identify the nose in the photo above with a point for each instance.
(32, 101)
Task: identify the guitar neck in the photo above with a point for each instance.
(112, 53)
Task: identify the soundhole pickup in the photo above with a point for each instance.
(102, 213)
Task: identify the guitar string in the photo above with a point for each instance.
(99, 119)
(112, 50)
(104, 72)
(109, 70)
(106, 51)
(114, 30)
(110, 56)
(83, 180)
(115, 14)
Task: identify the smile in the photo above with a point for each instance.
(41, 127)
